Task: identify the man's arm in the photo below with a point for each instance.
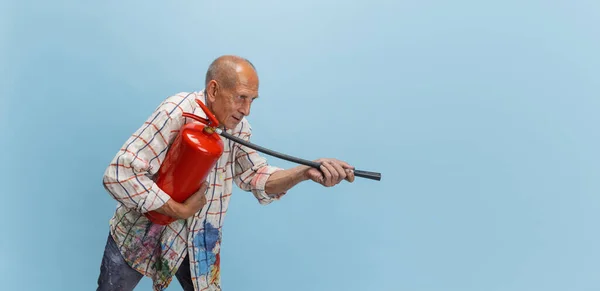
(268, 183)
(283, 180)
(127, 178)
(330, 173)
(186, 209)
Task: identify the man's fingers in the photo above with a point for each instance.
(350, 175)
(345, 165)
(202, 189)
(341, 172)
(326, 174)
(316, 175)
(203, 192)
(334, 173)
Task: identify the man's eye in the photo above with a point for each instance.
(244, 98)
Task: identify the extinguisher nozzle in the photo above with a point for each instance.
(368, 175)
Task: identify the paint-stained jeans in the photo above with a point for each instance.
(117, 275)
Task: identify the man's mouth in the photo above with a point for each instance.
(237, 119)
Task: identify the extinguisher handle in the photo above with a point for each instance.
(213, 120)
(197, 118)
(210, 121)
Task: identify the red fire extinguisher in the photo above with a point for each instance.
(188, 162)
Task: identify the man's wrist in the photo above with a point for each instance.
(283, 180)
(299, 174)
(171, 208)
(304, 173)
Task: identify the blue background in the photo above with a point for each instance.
(482, 117)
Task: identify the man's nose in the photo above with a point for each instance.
(245, 109)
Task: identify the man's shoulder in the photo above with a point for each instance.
(178, 103)
(183, 98)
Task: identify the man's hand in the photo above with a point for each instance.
(332, 172)
(188, 208)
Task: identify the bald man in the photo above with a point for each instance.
(189, 247)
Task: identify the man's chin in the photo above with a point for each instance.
(232, 125)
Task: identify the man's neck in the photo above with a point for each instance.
(210, 108)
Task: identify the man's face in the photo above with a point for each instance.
(230, 105)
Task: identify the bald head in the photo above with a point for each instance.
(231, 87)
(227, 70)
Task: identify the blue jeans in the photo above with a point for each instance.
(117, 275)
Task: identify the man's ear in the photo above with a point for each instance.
(212, 90)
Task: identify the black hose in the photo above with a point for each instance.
(357, 173)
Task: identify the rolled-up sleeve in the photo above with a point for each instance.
(252, 172)
(128, 177)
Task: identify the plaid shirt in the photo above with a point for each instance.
(155, 250)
